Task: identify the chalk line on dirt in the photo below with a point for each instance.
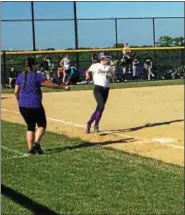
(163, 141)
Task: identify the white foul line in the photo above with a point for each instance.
(66, 122)
(107, 132)
(18, 153)
(51, 119)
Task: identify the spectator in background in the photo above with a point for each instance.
(12, 77)
(127, 54)
(173, 74)
(148, 66)
(114, 69)
(135, 64)
(73, 76)
(59, 74)
(65, 63)
(94, 58)
(126, 50)
(45, 67)
(124, 66)
(52, 70)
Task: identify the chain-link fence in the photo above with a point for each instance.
(62, 29)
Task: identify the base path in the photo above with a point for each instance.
(145, 121)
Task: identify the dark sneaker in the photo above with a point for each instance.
(31, 151)
(88, 129)
(96, 129)
(37, 148)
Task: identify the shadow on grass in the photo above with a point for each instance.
(87, 144)
(24, 201)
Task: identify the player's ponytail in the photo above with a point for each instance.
(29, 64)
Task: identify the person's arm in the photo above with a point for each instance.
(17, 88)
(49, 84)
(46, 83)
(87, 73)
(16, 92)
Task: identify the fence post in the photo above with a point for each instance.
(33, 25)
(116, 35)
(154, 41)
(76, 33)
(3, 76)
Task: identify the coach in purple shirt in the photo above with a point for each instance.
(29, 96)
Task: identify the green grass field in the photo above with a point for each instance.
(76, 177)
(116, 85)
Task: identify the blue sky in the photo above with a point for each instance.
(60, 34)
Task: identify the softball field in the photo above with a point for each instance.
(145, 121)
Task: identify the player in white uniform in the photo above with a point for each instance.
(102, 73)
(135, 64)
(148, 66)
(65, 63)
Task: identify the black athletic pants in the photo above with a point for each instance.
(101, 95)
(33, 116)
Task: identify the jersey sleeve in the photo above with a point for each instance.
(91, 68)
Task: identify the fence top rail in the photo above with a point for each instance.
(89, 50)
(110, 18)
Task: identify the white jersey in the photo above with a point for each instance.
(101, 74)
(67, 63)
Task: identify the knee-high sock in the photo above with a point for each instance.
(98, 117)
(93, 117)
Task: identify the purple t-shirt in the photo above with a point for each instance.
(30, 96)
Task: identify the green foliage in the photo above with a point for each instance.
(169, 41)
(163, 60)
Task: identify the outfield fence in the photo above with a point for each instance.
(164, 58)
(142, 33)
